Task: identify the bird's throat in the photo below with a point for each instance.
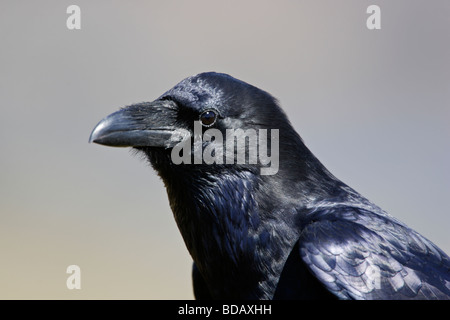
(228, 239)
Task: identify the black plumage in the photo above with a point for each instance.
(297, 234)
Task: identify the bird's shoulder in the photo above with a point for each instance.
(358, 253)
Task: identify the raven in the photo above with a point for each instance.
(298, 233)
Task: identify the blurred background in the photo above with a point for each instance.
(372, 105)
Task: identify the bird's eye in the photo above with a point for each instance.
(208, 118)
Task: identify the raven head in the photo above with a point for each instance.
(227, 211)
(219, 104)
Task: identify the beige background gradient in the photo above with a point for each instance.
(373, 106)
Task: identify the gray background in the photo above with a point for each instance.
(374, 107)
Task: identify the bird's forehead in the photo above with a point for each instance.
(196, 93)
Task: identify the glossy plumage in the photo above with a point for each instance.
(298, 234)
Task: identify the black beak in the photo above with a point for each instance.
(148, 124)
